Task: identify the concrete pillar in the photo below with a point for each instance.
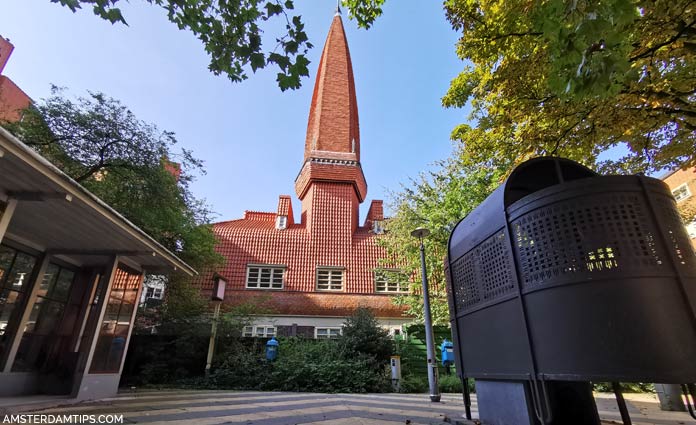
(132, 323)
(88, 386)
(670, 396)
(91, 330)
(7, 216)
(89, 292)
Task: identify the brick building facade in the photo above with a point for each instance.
(682, 183)
(314, 272)
(12, 99)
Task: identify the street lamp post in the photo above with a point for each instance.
(421, 233)
(217, 298)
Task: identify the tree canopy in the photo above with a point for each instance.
(572, 79)
(436, 200)
(575, 79)
(232, 32)
(126, 162)
(546, 77)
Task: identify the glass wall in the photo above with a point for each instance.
(16, 269)
(113, 333)
(41, 338)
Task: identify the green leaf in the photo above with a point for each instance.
(230, 31)
(257, 61)
(282, 61)
(273, 9)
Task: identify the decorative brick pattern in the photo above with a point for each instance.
(330, 304)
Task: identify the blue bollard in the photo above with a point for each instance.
(272, 349)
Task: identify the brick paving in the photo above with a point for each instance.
(268, 408)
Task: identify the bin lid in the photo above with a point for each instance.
(272, 342)
(489, 217)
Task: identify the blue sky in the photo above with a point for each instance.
(250, 135)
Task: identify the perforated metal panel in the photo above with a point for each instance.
(465, 289)
(607, 277)
(585, 236)
(484, 274)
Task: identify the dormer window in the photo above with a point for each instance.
(265, 276)
(329, 279)
(378, 227)
(281, 222)
(391, 280)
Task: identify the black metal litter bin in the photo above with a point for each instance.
(563, 274)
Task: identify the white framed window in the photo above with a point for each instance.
(681, 192)
(390, 281)
(155, 293)
(396, 333)
(327, 333)
(265, 276)
(329, 279)
(261, 331)
(281, 222)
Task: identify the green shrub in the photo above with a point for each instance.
(363, 336)
(243, 368)
(356, 362)
(414, 384)
(302, 365)
(447, 384)
(450, 384)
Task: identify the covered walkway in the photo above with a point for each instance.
(71, 272)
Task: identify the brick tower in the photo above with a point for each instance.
(315, 272)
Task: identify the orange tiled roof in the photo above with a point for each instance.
(249, 241)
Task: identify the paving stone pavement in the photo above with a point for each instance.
(281, 408)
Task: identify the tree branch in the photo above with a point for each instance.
(651, 50)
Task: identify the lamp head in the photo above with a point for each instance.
(420, 233)
(219, 284)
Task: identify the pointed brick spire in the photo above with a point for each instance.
(333, 131)
(332, 144)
